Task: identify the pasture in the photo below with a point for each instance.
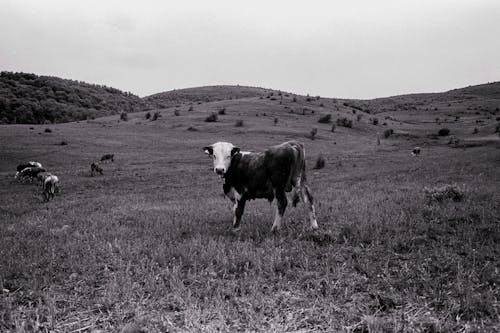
(149, 242)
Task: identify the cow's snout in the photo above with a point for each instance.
(220, 171)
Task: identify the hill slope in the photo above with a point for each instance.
(32, 99)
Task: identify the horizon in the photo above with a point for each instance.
(350, 51)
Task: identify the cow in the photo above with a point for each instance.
(265, 175)
(49, 186)
(95, 168)
(108, 157)
(415, 151)
(23, 166)
(41, 177)
(29, 173)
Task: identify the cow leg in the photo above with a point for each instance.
(281, 203)
(238, 209)
(309, 201)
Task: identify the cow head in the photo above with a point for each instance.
(221, 153)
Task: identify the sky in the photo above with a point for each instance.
(347, 49)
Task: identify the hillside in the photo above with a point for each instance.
(204, 94)
(32, 99)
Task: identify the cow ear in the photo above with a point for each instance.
(235, 150)
(208, 150)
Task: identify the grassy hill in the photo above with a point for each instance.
(149, 242)
(32, 99)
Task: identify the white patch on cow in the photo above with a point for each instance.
(277, 217)
(243, 153)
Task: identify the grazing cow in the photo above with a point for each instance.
(95, 168)
(41, 177)
(49, 186)
(415, 151)
(108, 157)
(267, 175)
(23, 166)
(29, 173)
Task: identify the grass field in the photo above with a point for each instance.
(149, 242)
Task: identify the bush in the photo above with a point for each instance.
(191, 108)
(326, 119)
(222, 111)
(192, 129)
(344, 122)
(211, 118)
(320, 162)
(375, 121)
(439, 194)
(358, 117)
(444, 132)
(388, 133)
(333, 128)
(177, 113)
(475, 131)
(294, 99)
(124, 116)
(276, 121)
(63, 143)
(156, 115)
(148, 115)
(48, 130)
(239, 123)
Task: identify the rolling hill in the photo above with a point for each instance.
(32, 99)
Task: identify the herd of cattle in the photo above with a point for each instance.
(31, 171)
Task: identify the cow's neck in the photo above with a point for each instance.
(231, 174)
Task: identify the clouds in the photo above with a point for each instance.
(331, 48)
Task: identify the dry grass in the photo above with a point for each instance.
(149, 243)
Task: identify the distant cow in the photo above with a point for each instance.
(108, 157)
(415, 151)
(29, 173)
(49, 186)
(23, 166)
(95, 168)
(268, 175)
(41, 177)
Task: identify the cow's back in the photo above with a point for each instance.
(285, 163)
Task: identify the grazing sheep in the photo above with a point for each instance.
(49, 186)
(95, 168)
(108, 157)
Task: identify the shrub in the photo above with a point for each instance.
(294, 99)
(276, 121)
(124, 116)
(239, 123)
(192, 129)
(375, 121)
(63, 143)
(222, 111)
(453, 141)
(177, 113)
(388, 132)
(148, 115)
(326, 119)
(156, 115)
(48, 130)
(191, 108)
(497, 128)
(344, 122)
(322, 105)
(475, 131)
(358, 117)
(444, 132)
(212, 118)
(320, 162)
(333, 128)
(440, 194)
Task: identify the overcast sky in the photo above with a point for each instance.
(356, 49)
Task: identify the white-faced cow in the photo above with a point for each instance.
(108, 157)
(267, 175)
(49, 186)
(29, 173)
(23, 166)
(415, 151)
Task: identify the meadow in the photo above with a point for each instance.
(148, 244)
